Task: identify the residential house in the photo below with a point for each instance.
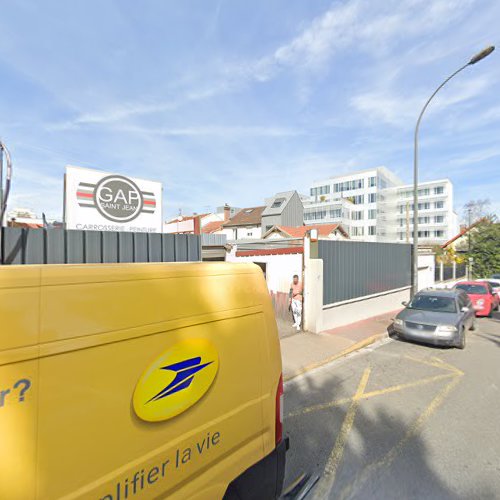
(283, 209)
(459, 242)
(187, 224)
(325, 231)
(246, 224)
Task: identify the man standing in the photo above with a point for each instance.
(295, 295)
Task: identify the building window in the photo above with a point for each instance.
(315, 214)
(372, 181)
(336, 213)
(424, 234)
(357, 215)
(372, 214)
(439, 234)
(316, 191)
(424, 192)
(358, 200)
(372, 230)
(267, 229)
(340, 187)
(358, 231)
(422, 206)
(439, 204)
(372, 198)
(277, 202)
(424, 220)
(439, 190)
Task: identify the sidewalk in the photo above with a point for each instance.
(304, 351)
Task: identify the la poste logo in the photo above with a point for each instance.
(176, 380)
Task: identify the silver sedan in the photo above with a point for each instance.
(438, 317)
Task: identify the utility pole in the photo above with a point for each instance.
(469, 210)
(407, 222)
(478, 57)
(4, 195)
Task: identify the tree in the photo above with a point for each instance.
(475, 210)
(485, 249)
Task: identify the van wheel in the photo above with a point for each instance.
(461, 344)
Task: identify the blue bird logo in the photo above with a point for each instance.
(185, 372)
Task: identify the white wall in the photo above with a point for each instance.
(279, 268)
(279, 274)
(246, 233)
(426, 266)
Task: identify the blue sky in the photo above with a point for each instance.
(232, 101)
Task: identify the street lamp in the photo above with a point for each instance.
(478, 57)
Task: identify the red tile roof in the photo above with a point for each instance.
(251, 216)
(183, 218)
(300, 231)
(270, 251)
(212, 227)
(462, 233)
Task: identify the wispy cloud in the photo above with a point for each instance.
(390, 106)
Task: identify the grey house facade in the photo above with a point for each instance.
(283, 209)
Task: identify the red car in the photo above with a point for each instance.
(483, 299)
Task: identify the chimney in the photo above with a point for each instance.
(227, 212)
(196, 225)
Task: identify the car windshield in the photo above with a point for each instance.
(433, 303)
(473, 289)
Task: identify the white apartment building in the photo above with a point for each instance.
(437, 221)
(375, 205)
(352, 200)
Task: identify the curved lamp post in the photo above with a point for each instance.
(478, 57)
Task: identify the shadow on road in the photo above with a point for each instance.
(385, 455)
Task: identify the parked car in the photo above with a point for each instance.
(484, 300)
(495, 276)
(438, 317)
(495, 284)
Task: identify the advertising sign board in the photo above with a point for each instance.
(102, 201)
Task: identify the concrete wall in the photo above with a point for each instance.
(279, 273)
(359, 309)
(426, 266)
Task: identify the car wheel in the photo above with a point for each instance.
(490, 313)
(473, 326)
(461, 344)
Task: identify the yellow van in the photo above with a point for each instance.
(130, 381)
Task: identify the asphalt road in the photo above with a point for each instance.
(401, 420)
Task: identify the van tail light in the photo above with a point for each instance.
(279, 412)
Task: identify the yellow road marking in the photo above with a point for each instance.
(438, 363)
(408, 385)
(371, 394)
(325, 486)
(410, 433)
(447, 365)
